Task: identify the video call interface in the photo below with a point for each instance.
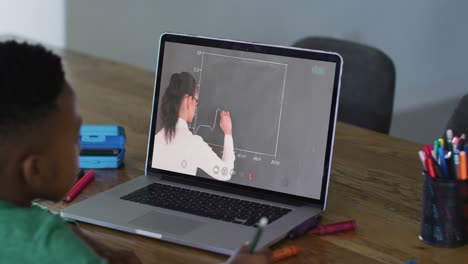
(280, 110)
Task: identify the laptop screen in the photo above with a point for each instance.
(245, 114)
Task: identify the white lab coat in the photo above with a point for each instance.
(187, 152)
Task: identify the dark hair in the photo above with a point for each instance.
(31, 79)
(181, 84)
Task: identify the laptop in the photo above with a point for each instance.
(252, 136)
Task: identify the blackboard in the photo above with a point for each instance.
(252, 91)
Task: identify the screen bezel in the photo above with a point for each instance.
(257, 48)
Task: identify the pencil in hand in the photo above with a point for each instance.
(261, 224)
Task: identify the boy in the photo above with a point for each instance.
(39, 129)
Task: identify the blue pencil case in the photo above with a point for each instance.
(102, 162)
(102, 138)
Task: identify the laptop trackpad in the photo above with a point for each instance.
(166, 223)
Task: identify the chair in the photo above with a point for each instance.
(458, 122)
(367, 83)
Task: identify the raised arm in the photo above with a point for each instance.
(209, 161)
(226, 125)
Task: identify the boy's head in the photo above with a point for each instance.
(39, 124)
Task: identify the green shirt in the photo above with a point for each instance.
(36, 235)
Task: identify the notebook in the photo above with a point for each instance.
(239, 131)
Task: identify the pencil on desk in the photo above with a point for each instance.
(334, 228)
(78, 187)
(81, 175)
(285, 252)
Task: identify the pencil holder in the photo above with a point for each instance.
(444, 212)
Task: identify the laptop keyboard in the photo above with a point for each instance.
(205, 204)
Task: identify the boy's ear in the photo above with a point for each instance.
(31, 172)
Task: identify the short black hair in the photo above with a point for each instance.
(31, 79)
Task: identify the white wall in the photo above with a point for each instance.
(425, 38)
(42, 21)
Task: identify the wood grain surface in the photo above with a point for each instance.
(376, 180)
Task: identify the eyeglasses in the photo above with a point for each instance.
(196, 100)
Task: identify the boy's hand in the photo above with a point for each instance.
(243, 257)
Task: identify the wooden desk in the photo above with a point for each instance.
(375, 180)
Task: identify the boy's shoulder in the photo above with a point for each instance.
(45, 236)
(31, 220)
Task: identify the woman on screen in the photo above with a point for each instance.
(176, 148)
